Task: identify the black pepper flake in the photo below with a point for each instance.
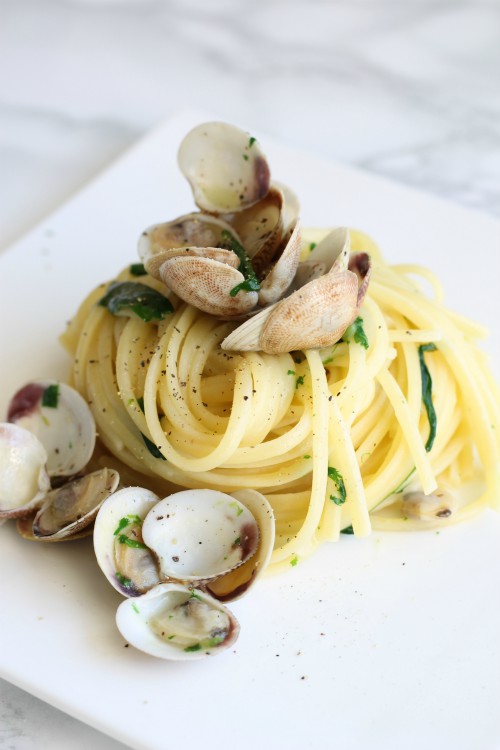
(175, 558)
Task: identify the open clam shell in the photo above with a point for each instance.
(61, 419)
(24, 480)
(118, 544)
(194, 234)
(198, 535)
(236, 583)
(172, 621)
(73, 506)
(225, 167)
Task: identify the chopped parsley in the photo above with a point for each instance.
(140, 402)
(237, 507)
(145, 302)
(211, 642)
(338, 480)
(251, 282)
(134, 543)
(355, 332)
(294, 561)
(137, 269)
(194, 595)
(251, 141)
(126, 521)
(50, 396)
(427, 394)
(347, 530)
(299, 381)
(312, 245)
(152, 448)
(125, 582)
(194, 647)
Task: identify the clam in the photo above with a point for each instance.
(24, 480)
(119, 548)
(172, 621)
(73, 506)
(202, 538)
(62, 421)
(225, 167)
(328, 292)
(177, 559)
(439, 504)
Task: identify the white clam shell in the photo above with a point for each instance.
(198, 535)
(24, 481)
(67, 430)
(236, 583)
(69, 508)
(225, 167)
(130, 570)
(174, 622)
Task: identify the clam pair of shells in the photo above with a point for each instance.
(47, 442)
(177, 560)
(242, 251)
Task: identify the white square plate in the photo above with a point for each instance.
(386, 642)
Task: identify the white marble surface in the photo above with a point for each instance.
(406, 90)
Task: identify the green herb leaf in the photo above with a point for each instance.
(237, 507)
(355, 332)
(312, 245)
(127, 583)
(50, 396)
(299, 381)
(126, 521)
(427, 394)
(194, 647)
(152, 448)
(134, 543)
(251, 141)
(211, 642)
(145, 302)
(338, 481)
(294, 561)
(194, 595)
(251, 283)
(137, 269)
(347, 530)
(140, 402)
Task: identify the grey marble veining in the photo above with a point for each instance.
(408, 90)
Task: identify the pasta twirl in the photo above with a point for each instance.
(332, 436)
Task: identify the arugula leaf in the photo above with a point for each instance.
(355, 332)
(145, 302)
(338, 481)
(427, 394)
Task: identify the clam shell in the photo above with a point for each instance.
(65, 425)
(73, 506)
(192, 234)
(225, 167)
(236, 583)
(198, 535)
(131, 570)
(24, 480)
(172, 621)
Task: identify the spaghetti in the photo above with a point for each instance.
(335, 438)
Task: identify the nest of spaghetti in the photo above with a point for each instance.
(248, 353)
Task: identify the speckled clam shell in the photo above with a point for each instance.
(225, 167)
(207, 284)
(194, 234)
(312, 317)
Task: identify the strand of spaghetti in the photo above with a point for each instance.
(482, 422)
(305, 539)
(409, 429)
